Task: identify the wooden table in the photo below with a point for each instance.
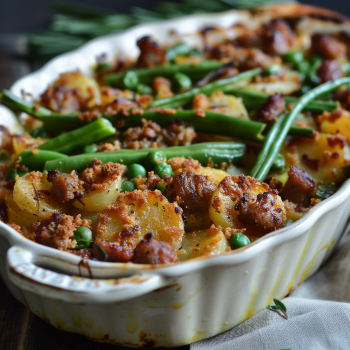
(19, 328)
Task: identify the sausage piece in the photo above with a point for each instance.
(328, 47)
(330, 70)
(65, 187)
(299, 188)
(271, 109)
(278, 37)
(192, 191)
(152, 251)
(151, 53)
(114, 252)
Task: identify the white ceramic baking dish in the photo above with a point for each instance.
(143, 306)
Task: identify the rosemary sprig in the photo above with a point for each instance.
(74, 24)
(279, 308)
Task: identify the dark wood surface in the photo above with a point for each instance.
(19, 328)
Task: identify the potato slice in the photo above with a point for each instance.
(32, 193)
(228, 105)
(289, 85)
(96, 200)
(87, 86)
(338, 122)
(137, 213)
(203, 243)
(215, 175)
(17, 215)
(324, 158)
(244, 202)
(196, 220)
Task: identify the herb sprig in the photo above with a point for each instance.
(279, 308)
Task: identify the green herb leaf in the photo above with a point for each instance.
(280, 305)
(101, 251)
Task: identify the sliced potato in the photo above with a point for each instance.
(228, 105)
(137, 213)
(215, 175)
(323, 158)
(87, 86)
(196, 220)
(96, 200)
(287, 86)
(32, 193)
(203, 243)
(335, 124)
(17, 215)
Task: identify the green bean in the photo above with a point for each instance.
(35, 160)
(267, 144)
(16, 104)
(213, 123)
(143, 89)
(182, 81)
(253, 100)
(70, 141)
(181, 99)
(146, 75)
(215, 152)
(275, 140)
(279, 162)
(178, 49)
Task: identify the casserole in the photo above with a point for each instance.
(164, 305)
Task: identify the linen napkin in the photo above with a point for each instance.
(318, 315)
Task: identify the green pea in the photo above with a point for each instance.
(90, 149)
(182, 81)
(294, 57)
(143, 89)
(162, 169)
(135, 170)
(273, 69)
(161, 188)
(128, 186)
(239, 240)
(83, 236)
(153, 157)
(130, 80)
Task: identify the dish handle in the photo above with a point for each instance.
(24, 273)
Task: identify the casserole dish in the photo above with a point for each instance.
(147, 306)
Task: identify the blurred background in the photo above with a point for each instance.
(32, 32)
(18, 16)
